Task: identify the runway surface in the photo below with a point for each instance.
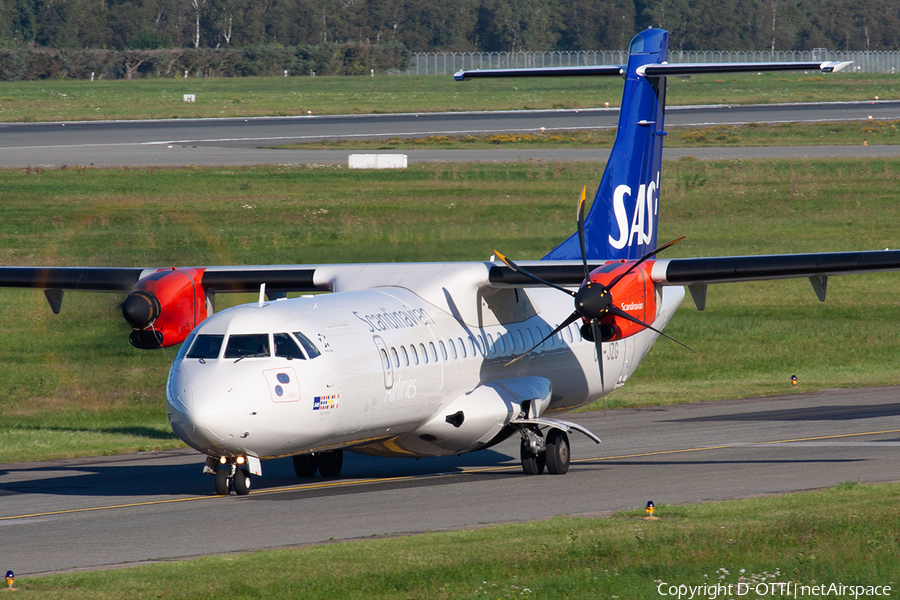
(91, 513)
(213, 142)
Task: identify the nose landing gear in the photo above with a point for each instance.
(231, 474)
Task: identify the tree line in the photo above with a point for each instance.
(457, 25)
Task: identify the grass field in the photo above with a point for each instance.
(76, 100)
(847, 535)
(73, 386)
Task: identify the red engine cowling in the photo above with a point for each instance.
(634, 294)
(164, 308)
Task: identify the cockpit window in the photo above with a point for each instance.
(206, 346)
(310, 348)
(247, 345)
(286, 347)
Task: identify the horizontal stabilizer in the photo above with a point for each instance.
(592, 71)
(656, 70)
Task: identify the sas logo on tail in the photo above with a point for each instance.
(646, 206)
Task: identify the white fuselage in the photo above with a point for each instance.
(396, 375)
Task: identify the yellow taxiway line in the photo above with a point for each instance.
(335, 484)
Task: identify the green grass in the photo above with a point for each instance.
(844, 535)
(76, 100)
(72, 386)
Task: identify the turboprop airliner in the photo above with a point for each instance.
(415, 360)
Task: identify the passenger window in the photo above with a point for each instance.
(462, 347)
(396, 356)
(453, 349)
(413, 354)
(310, 348)
(433, 351)
(520, 341)
(286, 347)
(472, 345)
(424, 353)
(490, 344)
(384, 359)
(502, 343)
(552, 339)
(530, 339)
(443, 349)
(405, 356)
(206, 346)
(569, 333)
(247, 345)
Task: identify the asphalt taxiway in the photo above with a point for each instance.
(227, 142)
(110, 511)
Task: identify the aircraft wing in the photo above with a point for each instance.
(89, 279)
(728, 269)
(287, 278)
(698, 273)
(723, 269)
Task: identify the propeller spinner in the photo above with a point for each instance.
(594, 300)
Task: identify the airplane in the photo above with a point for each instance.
(435, 359)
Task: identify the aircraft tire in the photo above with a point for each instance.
(241, 482)
(305, 465)
(558, 454)
(330, 463)
(532, 464)
(222, 487)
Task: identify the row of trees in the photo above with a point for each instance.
(458, 25)
(317, 59)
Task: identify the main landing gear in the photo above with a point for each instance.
(538, 451)
(328, 464)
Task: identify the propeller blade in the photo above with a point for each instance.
(571, 319)
(581, 242)
(643, 258)
(615, 310)
(595, 329)
(531, 276)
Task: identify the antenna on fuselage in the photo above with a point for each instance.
(262, 294)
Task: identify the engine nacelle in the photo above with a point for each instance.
(164, 308)
(635, 294)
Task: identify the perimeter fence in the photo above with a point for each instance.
(447, 63)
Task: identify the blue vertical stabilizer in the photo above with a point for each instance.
(622, 221)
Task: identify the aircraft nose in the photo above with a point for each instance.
(193, 416)
(188, 428)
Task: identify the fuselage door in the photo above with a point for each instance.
(385, 362)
